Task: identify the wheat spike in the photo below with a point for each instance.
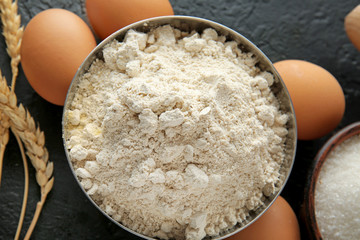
(13, 34)
(23, 125)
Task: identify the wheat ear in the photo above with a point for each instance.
(13, 34)
(23, 125)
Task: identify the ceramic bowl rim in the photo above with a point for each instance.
(308, 209)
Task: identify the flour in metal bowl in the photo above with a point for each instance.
(175, 134)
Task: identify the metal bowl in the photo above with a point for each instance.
(187, 23)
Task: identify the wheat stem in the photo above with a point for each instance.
(26, 187)
(38, 209)
(2, 151)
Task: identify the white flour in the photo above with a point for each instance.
(176, 135)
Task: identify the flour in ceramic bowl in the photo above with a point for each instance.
(176, 135)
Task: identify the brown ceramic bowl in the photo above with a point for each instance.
(308, 208)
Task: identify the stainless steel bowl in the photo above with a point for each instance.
(187, 23)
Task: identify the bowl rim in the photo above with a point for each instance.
(308, 208)
(223, 30)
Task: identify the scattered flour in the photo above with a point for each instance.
(176, 135)
(337, 194)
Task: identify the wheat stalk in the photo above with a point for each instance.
(19, 120)
(23, 125)
(26, 187)
(13, 34)
(4, 131)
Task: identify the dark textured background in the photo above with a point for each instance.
(283, 29)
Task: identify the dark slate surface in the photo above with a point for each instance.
(283, 29)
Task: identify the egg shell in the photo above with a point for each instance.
(317, 96)
(352, 26)
(55, 43)
(278, 222)
(109, 16)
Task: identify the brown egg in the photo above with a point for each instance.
(54, 45)
(278, 222)
(352, 26)
(109, 16)
(317, 97)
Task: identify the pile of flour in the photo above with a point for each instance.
(176, 135)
